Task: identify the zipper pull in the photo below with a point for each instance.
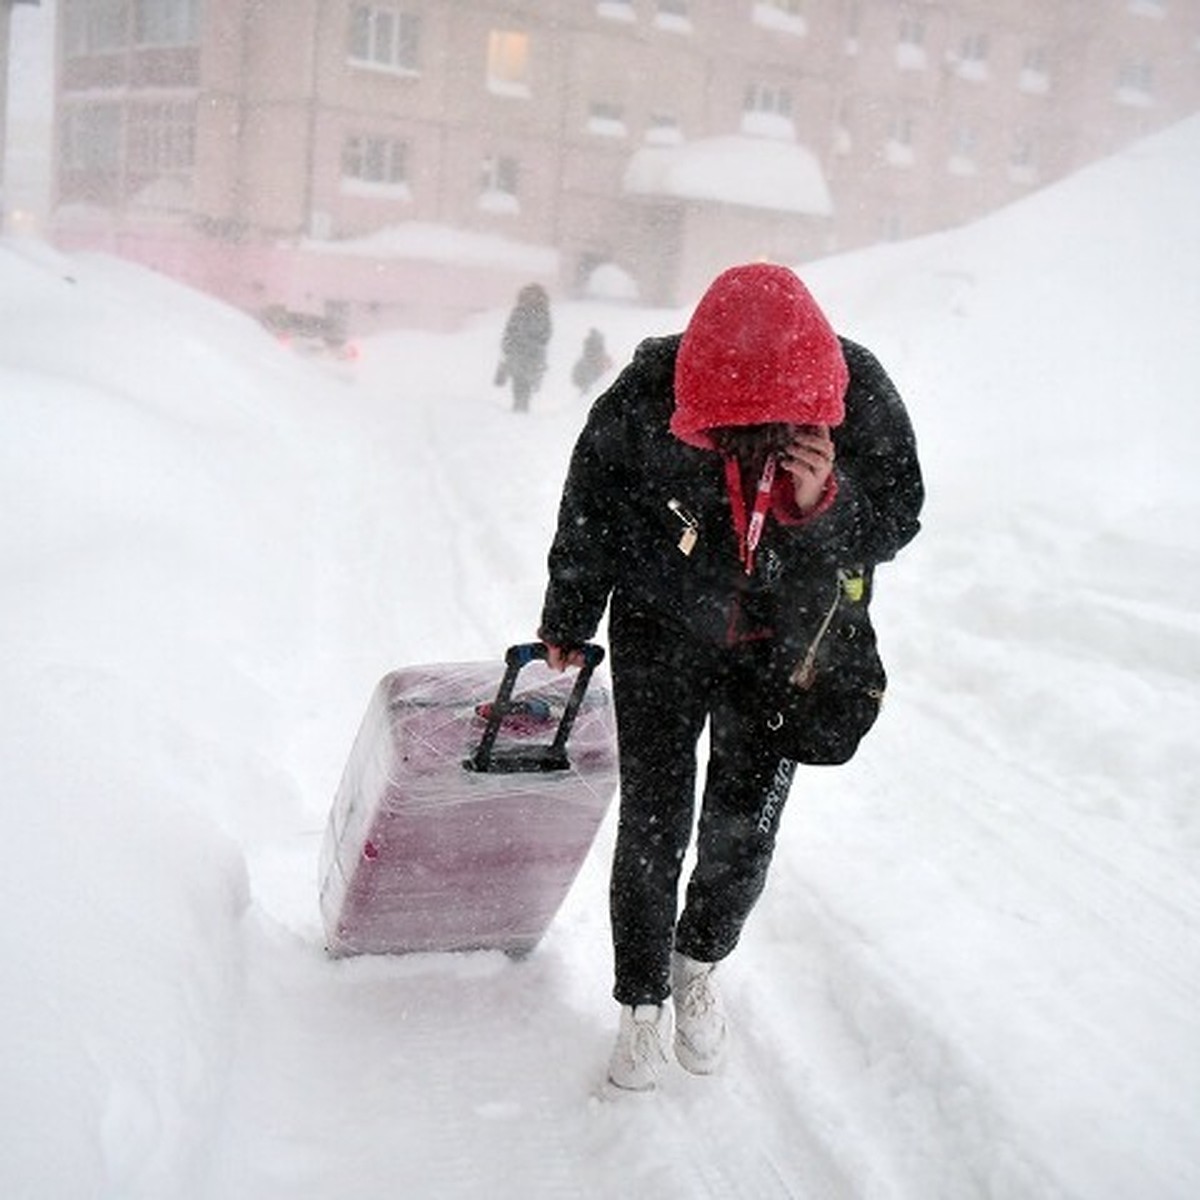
(691, 527)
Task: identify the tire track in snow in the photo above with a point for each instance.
(476, 505)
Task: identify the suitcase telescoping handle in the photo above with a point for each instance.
(549, 757)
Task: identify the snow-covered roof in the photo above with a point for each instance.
(441, 243)
(753, 172)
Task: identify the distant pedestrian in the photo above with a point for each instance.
(593, 362)
(523, 346)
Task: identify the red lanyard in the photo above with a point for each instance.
(749, 531)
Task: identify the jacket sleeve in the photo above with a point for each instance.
(880, 490)
(582, 556)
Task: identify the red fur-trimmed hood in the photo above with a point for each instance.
(758, 350)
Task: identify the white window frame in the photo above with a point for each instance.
(771, 98)
(384, 37)
(1135, 83)
(167, 23)
(972, 62)
(606, 118)
(663, 129)
(767, 111)
(499, 184)
(375, 159)
(94, 27)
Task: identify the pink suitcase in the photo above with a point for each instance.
(459, 824)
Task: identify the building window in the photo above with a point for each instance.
(508, 63)
(910, 46)
(1148, 8)
(375, 160)
(673, 15)
(783, 16)
(892, 227)
(381, 36)
(663, 130)
(972, 58)
(166, 22)
(1022, 163)
(91, 138)
(767, 111)
(765, 98)
(853, 18)
(162, 138)
(1135, 84)
(964, 147)
(843, 119)
(498, 184)
(606, 119)
(1035, 74)
(93, 27)
(899, 149)
(616, 10)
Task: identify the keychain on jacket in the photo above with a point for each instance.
(749, 531)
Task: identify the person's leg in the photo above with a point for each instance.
(521, 392)
(660, 688)
(746, 786)
(744, 793)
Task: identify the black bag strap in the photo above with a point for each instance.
(549, 757)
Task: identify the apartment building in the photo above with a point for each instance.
(414, 161)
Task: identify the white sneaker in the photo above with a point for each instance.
(701, 1035)
(640, 1050)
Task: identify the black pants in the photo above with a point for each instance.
(665, 687)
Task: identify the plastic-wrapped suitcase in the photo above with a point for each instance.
(460, 824)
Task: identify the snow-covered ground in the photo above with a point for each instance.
(976, 972)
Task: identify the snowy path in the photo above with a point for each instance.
(894, 1024)
(356, 1077)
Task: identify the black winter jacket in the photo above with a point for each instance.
(632, 486)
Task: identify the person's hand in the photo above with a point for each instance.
(809, 460)
(559, 658)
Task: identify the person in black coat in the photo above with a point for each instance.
(729, 498)
(523, 345)
(592, 362)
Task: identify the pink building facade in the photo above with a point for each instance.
(411, 162)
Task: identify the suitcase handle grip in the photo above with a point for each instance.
(550, 757)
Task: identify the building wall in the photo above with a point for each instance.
(518, 120)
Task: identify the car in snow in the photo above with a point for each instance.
(310, 333)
